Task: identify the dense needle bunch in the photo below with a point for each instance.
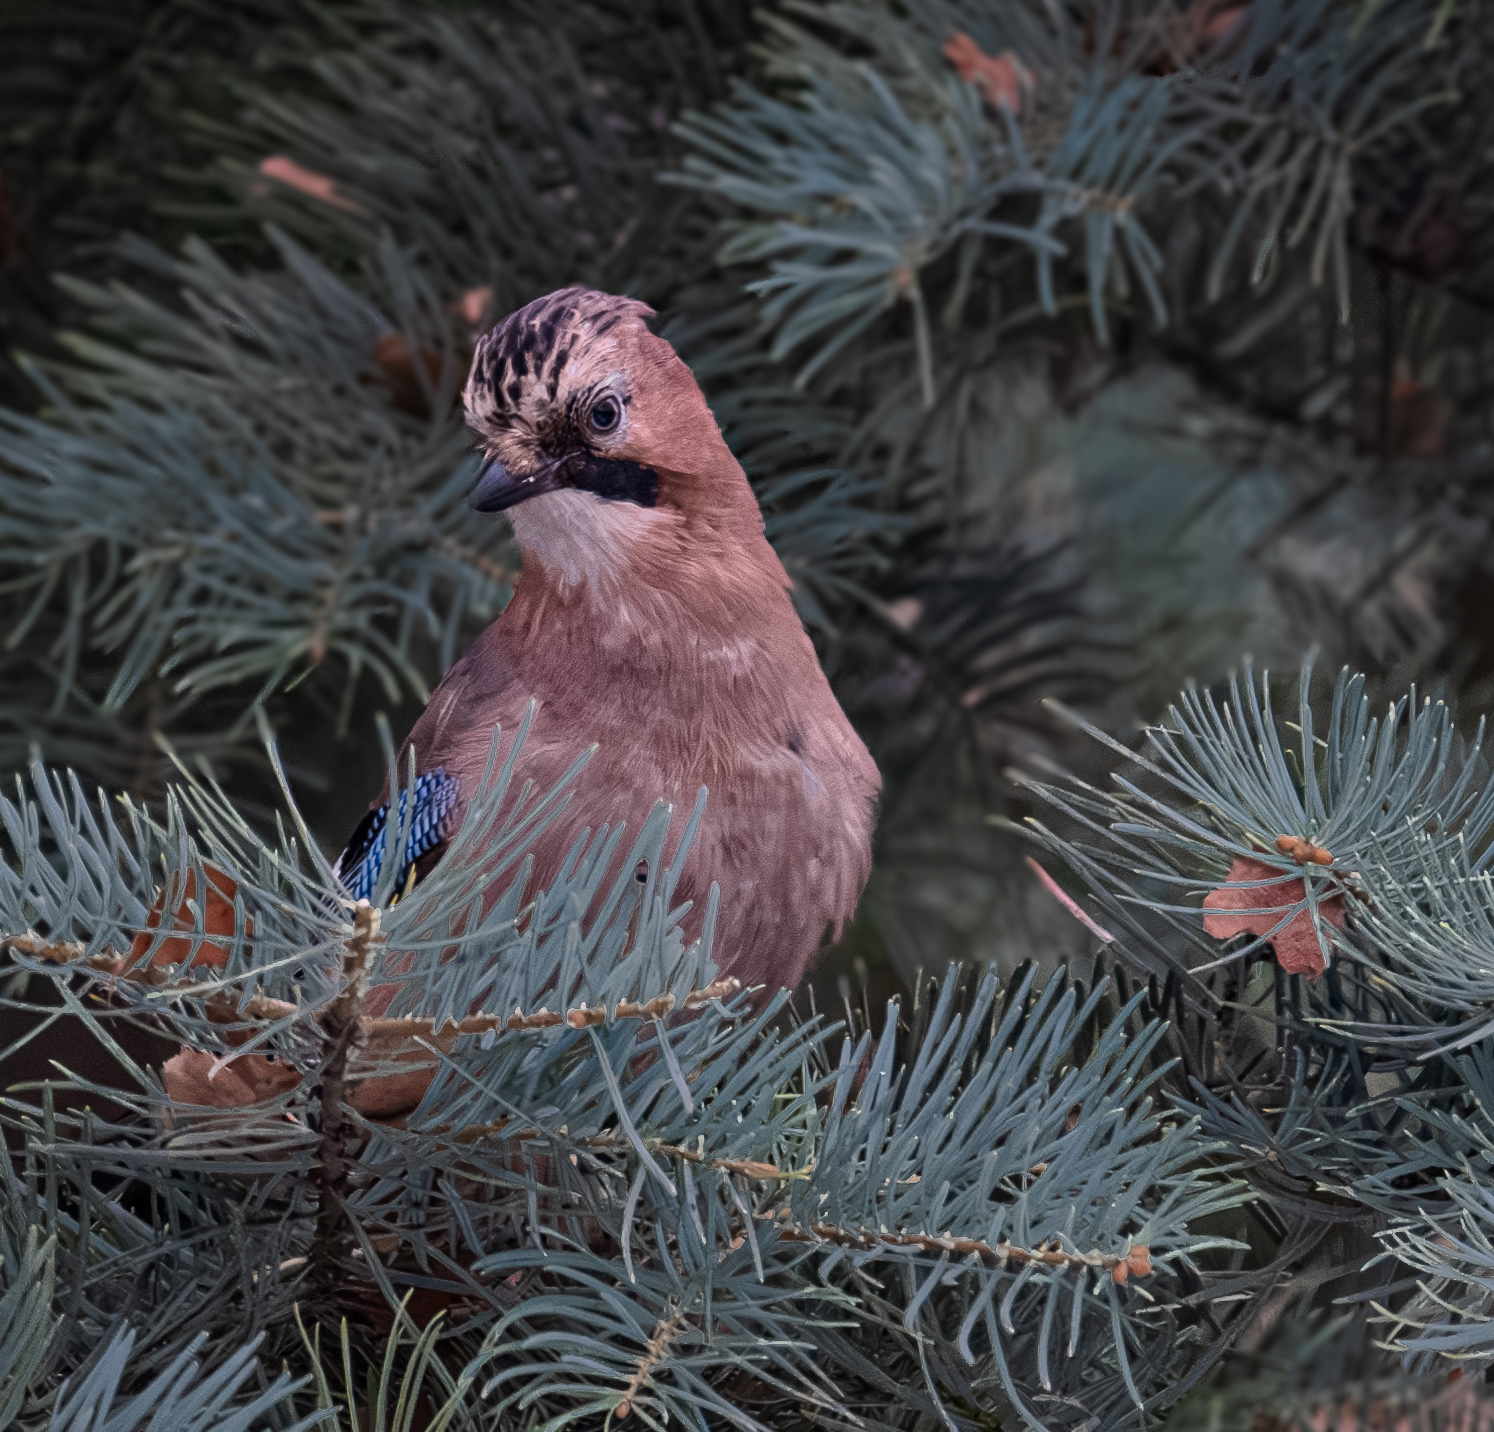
(614, 1207)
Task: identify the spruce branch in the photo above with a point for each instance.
(1135, 1262)
(305, 529)
(335, 1161)
(794, 1182)
(506, 1131)
(663, 1334)
(222, 1006)
(850, 179)
(1227, 795)
(240, 579)
(225, 1007)
(183, 1394)
(580, 1017)
(28, 1325)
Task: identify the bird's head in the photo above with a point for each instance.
(598, 441)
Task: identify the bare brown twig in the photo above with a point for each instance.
(664, 1333)
(225, 1007)
(1135, 1262)
(340, 1025)
(578, 1018)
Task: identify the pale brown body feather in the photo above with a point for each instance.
(665, 634)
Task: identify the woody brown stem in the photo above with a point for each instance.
(581, 1017)
(748, 1168)
(658, 1344)
(223, 1007)
(226, 1009)
(59, 952)
(340, 1028)
(1136, 1262)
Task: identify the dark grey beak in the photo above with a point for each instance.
(497, 488)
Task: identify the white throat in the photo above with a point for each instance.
(585, 540)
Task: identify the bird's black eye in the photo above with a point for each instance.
(605, 415)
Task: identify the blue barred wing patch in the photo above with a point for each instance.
(435, 820)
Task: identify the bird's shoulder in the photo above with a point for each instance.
(450, 741)
(482, 687)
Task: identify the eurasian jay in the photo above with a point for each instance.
(652, 617)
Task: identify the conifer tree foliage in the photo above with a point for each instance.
(710, 1219)
(526, 1157)
(1070, 349)
(1313, 887)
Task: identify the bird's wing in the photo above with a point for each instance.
(434, 819)
(480, 688)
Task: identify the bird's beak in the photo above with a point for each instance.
(498, 488)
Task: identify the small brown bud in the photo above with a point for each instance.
(1304, 852)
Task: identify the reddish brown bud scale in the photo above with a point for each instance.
(1303, 851)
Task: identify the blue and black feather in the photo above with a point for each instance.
(437, 814)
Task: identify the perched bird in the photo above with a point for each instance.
(652, 617)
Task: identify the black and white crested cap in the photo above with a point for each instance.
(522, 363)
